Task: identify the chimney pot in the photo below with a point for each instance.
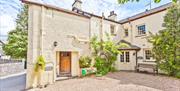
(112, 15)
(76, 5)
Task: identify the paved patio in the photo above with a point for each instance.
(119, 81)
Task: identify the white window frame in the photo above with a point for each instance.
(138, 31)
(125, 57)
(126, 31)
(144, 56)
(114, 30)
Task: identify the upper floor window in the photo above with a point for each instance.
(126, 32)
(124, 57)
(112, 28)
(141, 29)
(148, 54)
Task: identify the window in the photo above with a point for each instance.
(126, 32)
(124, 57)
(141, 29)
(127, 56)
(112, 30)
(148, 54)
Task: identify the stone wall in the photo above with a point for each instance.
(11, 68)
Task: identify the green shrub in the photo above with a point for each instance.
(177, 74)
(99, 64)
(105, 54)
(85, 62)
(166, 49)
(40, 64)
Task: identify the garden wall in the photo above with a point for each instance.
(11, 67)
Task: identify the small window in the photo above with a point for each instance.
(127, 56)
(141, 30)
(122, 57)
(112, 30)
(148, 54)
(126, 32)
(65, 54)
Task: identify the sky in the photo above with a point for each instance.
(10, 8)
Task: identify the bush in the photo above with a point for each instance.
(178, 74)
(166, 49)
(100, 66)
(105, 54)
(85, 62)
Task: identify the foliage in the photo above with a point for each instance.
(166, 44)
(105, 54)
(17, 39)
(40, 64)
(125, 1)
(177, 74)
(84, 62)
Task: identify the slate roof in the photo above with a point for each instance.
(146, 13)
(129, 47)
(77, 13)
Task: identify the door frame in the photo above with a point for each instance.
(70, 53)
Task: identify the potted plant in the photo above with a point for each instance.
(39, 69)
(85, 63)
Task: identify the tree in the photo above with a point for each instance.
(17, 39)
(125, 1)
(166, 44)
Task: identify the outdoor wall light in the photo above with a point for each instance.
(134, 53)
(55, 43)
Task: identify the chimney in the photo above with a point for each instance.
(112, 16)
(76, 5)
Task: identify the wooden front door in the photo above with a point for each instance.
(65, 63)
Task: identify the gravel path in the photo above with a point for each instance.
(163, 83)
(119, 81)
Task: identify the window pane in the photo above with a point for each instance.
(122, 57)
(148, 54)
(141, 29)
(112, 29)
(127, 57)
(126, 32)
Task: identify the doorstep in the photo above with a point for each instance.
(65, 78)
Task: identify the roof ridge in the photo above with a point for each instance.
(66, 10)
(146, 13)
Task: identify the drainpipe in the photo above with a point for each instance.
(41, 30)
(101, 30)
(90, 32)
(136, 61)
(131, 31)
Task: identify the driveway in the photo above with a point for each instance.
(16, 82)
(119, 81)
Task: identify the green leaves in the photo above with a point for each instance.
(125, 1)
(17, 39)
(165, 44)
(105, 54)
(157, 1)
(85, 62)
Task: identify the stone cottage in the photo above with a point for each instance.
(62, 37)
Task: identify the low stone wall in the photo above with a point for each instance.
(11, 68)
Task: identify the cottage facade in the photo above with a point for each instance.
(62, 37)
